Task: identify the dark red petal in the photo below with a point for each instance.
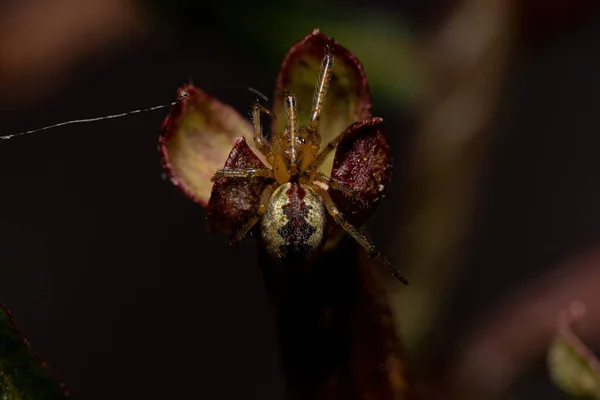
(348, 99)
(234, 200)
(363, 162)
(196, 138)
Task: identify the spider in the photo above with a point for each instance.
(293, 208)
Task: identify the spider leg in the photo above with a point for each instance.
(325, 74)
(259, 140)
(338, 185)
(260, 211)
(242, 173)
(360, 237)
(316, 163)
(291, 116)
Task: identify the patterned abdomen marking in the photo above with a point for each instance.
(294, 224)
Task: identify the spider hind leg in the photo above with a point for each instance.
(260, 211)
(339, 185)
(360, 237)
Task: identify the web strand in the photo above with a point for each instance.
(87, 120)
(124, 114)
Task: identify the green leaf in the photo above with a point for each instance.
(573, 366)
(23, 376)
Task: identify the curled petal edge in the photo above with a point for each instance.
(197, 137)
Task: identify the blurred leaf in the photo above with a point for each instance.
(384, 47)
(463, 63)
(379, 38)
(573, 366)
(23, 375)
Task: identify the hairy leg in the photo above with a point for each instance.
(260, 211)
(316, 163)
(291, 115)
(337, 185)
(360, 237)
(259, 140)
(243, 173)
(325, 74)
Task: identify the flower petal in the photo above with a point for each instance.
(234, 200)
(196, 138)
(363, 162)
(348, 99)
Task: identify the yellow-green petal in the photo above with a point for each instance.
(348, 98)
(196, 139)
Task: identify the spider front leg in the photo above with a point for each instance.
(316, 163)
(243, 173)
(338, 185)
(325, 74)
(260, 211)
(360, 237)
(259, 140)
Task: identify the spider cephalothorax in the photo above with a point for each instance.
(281, 186)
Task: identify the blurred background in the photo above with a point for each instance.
(491, 111)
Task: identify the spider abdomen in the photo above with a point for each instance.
(293, 227)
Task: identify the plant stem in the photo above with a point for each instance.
(335, 328)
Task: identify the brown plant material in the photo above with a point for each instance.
(336, 330)
(463, 63)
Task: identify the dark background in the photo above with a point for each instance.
(108, 268)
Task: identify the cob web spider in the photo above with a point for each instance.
(294, 205)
